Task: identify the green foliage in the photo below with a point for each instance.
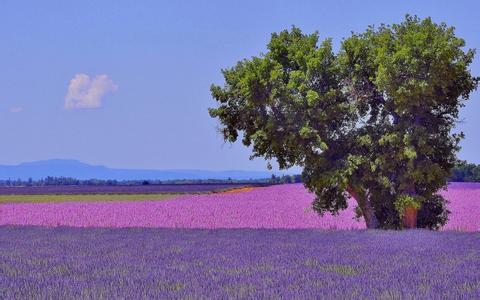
(465, 172)
(406, 201)
(285, 179)
(433, 212)
(375, 119)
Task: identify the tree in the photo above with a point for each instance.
(467, 172)
(373, 121)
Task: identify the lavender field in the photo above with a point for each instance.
(135, 263)
(240, 150)
(279, 206)
(250, 243)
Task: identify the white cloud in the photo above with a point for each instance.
(86, 92)
(15, 109)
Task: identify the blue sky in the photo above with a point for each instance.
(147, 67)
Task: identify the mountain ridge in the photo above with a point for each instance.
(79, 170)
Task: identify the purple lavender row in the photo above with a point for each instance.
(118, 189)
(72, 263)
(280, 206)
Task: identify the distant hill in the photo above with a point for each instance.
(76, 169)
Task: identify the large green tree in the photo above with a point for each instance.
(373, 120)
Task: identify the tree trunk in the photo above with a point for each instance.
(410, 213)
(410, 218)
(366, 207)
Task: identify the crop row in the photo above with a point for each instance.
(280, 206)
(138, 263)
(120, 189)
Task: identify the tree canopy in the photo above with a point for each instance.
(373, 120)
(465, 172)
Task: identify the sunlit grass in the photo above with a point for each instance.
(82, 198)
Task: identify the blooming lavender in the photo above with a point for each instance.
(280, 206)
(137, 263)
(464, 205)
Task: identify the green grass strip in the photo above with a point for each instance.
(82, 198)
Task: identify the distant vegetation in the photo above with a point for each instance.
(56, 181)
(50, 180)
(466, 172)
(462, 172)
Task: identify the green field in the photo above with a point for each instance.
(82, 198)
